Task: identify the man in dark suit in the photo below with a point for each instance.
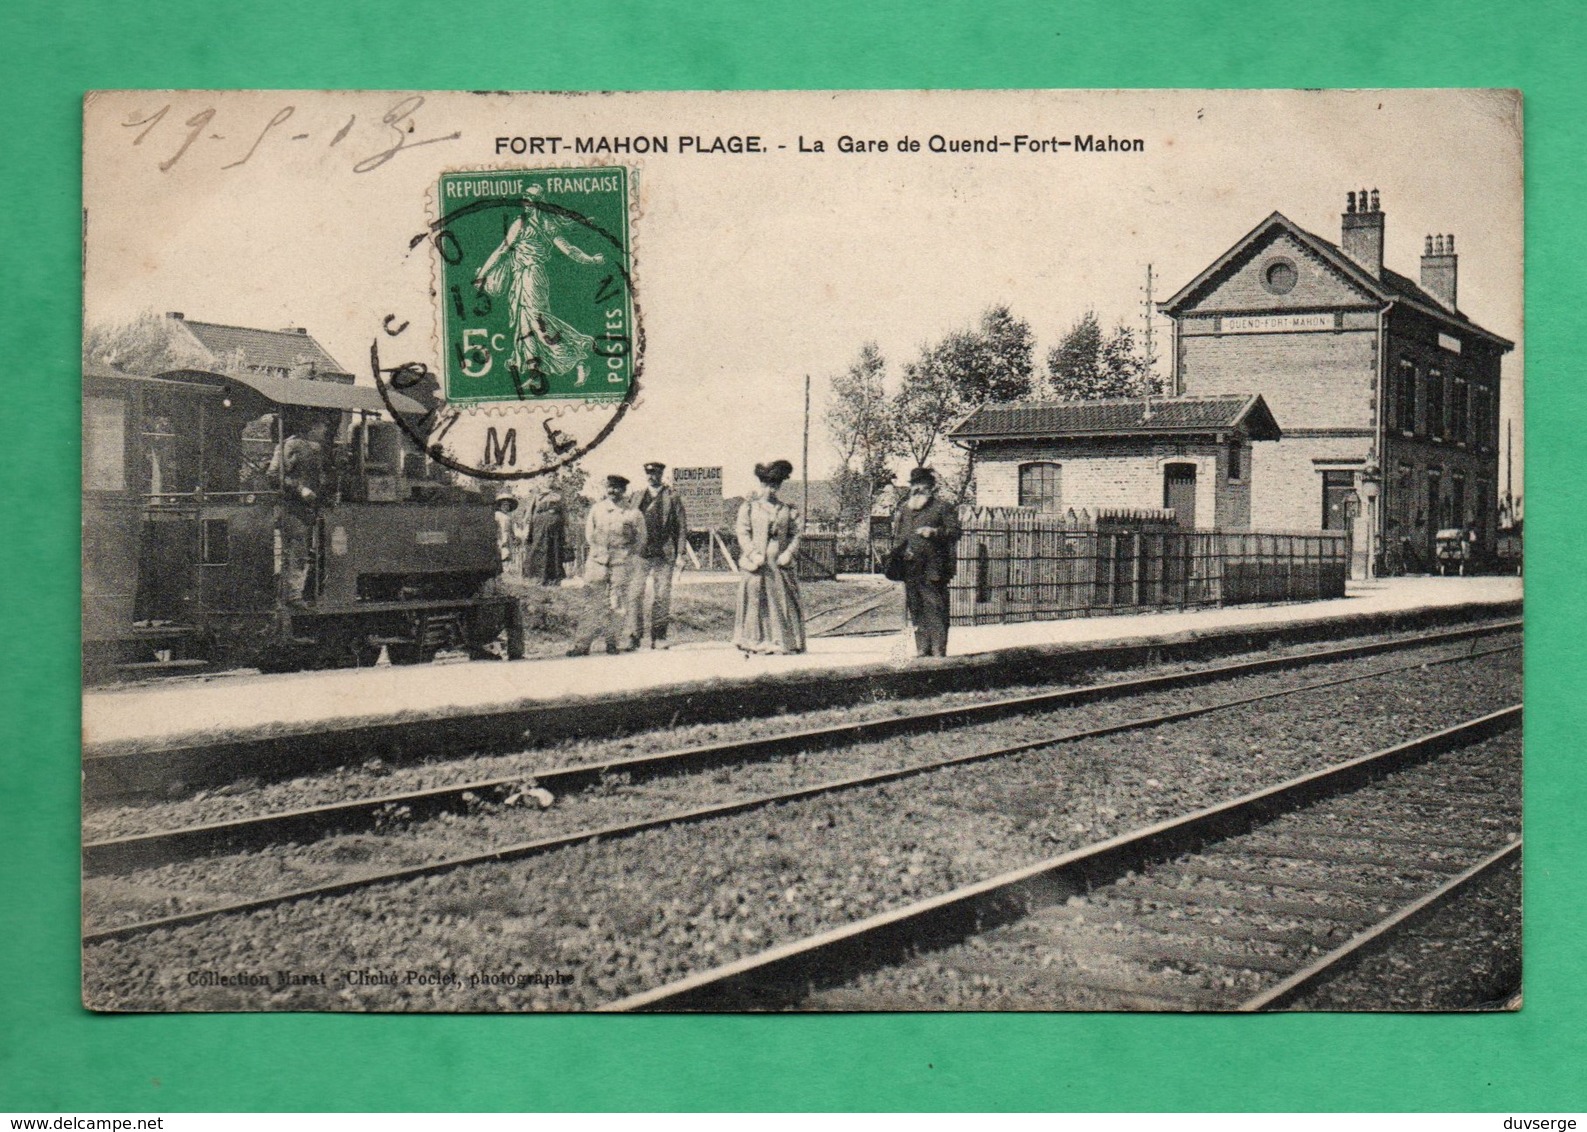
(666, 528)
(928, 527)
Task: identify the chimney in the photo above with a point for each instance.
(178, 315)
(295, 330)
(1361, 232)
(1438, 269)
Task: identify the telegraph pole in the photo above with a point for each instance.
(804, 510)
(1148, 346)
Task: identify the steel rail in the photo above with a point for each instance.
(850, 614)
(1364, 943)
(784, 975)
(130, 770)
(702, 813)
(162, 846)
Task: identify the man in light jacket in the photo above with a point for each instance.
(613, 533)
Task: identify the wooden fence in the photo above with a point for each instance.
(1016, 565)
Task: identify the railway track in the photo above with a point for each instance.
(1241, 906)
(307, 823)
(128, 772)
(298, 825)
(827, 622)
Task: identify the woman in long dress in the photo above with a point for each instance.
(771, 616)
(543, 343)
(542, 562)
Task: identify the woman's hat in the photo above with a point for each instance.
(775, 472)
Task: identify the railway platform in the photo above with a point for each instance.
(202, 711)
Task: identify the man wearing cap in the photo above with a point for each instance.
(506, 540)
(666, 527)
(613, 533)
(928, 527)
(300, 466)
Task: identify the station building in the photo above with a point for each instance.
(1191, 454)
(1387, 392)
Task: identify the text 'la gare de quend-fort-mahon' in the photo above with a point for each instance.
(737, 144)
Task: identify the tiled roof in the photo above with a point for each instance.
(1389, 285)
(1174, 415)
(265, 349)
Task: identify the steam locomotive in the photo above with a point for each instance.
(187, 534)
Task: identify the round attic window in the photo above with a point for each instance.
(1279, 277)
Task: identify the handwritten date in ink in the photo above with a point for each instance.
(397, 129)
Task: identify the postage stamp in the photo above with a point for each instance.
(536, 297)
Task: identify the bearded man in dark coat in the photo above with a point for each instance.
(928, 527)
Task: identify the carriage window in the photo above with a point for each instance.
(104, 444)
(216, 536)
(258, 447)
(1041, 487)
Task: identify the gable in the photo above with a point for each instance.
(1242, 284)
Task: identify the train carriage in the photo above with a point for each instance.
(188, 530)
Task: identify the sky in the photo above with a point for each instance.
(753, 270)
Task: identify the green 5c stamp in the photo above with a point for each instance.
(536, 296)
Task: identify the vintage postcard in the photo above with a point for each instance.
(826, 551)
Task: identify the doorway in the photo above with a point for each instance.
(1179, 493)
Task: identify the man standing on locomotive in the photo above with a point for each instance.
(299, 466)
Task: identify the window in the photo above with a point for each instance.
(104, 444)
(1236, 460)
(1460, 412)
(1405, 397)
(1429, 514)
(1436, 423)
(1482, 413)
(1457, 500)
(1041, 486)
(1279, 277)
(1405, 495)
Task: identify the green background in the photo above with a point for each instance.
(53, 1056)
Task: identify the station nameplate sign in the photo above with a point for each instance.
(1275, 323)
(700, 489)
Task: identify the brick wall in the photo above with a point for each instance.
(1317, 284)
(1286, 492)
(1095, 475)
(1310, 380)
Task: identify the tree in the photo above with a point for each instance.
(928, 403)
(993, 362)
(1002, 363)
(147, 343)
(1085, 366)
(861, 423)
(1074, 366)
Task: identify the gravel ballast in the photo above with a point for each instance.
(594, 922)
